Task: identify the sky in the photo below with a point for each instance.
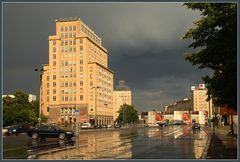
(143, 40)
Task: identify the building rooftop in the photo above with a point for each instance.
(67, 19)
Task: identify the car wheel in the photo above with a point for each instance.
(62, 136)
(34, 136)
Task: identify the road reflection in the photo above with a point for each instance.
(137, 143)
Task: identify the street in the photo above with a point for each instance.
(172, 142)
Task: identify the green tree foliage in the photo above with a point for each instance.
(215, 42)
(127, 114)
(18, 110)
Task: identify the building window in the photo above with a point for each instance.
(70, 42)
(70, 28)
(54, 84)
(62, 29)
(91, 83)
(62, 35)
(74, 42)
(66, 63)
(54, 49)
(81, 69)
(66, 84)
(66, 28)
(81, 62)
(66, 98)
(62, 98)
(54, 63)
(54, 42)
(54, 98)
(74, 28)
(81, 48)
(47, 85)
(66, 35)
(48, 92)
(54, 56)
(81, 41)
(81, 97)
(81, 83)
(47, 98)
(47, 78)
(54, 91)
(54, 77)
(47, 109)
(91, 69)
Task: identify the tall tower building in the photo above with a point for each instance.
(122, 95)
(77, 85)
(199, 97)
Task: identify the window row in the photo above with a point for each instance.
(66, 84)
(90, 34)
(68, 35)
(68, 49)
(68, 42)
(68, 91)
(68, 62)
(68, 28)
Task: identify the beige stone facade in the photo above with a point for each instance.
(199, 97)
(121, 97)
(77, 85)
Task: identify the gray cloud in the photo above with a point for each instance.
(143, 40)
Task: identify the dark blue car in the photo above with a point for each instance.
(15, 130)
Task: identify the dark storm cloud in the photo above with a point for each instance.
(143, 41)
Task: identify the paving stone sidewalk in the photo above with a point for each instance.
(222, 145)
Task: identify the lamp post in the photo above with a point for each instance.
(40, 91)
(95, 102)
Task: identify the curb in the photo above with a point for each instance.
(205, 150)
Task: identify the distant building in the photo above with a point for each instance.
(199, 99)
(180, 105)
(31, 97)
(122, 95)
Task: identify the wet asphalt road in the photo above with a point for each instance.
(172, 142)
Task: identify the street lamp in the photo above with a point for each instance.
(40, 91)
(97, 87)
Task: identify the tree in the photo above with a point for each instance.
(18, 110)
(215, 43)
(127, 114)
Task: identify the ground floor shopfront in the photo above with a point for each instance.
(71, 114)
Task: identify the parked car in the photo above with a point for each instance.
(86, 126)
(196, 126)
(177, 122)
(117, 126)
(109, 126)
(162, 124)
(50, 131)
(16, 129)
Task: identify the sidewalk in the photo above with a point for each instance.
(222, 145)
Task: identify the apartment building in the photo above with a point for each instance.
(77, 85)
(199, 99)
(122, 95)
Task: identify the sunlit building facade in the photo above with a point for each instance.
(77, 85)
(199, 99)
(122, 95)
